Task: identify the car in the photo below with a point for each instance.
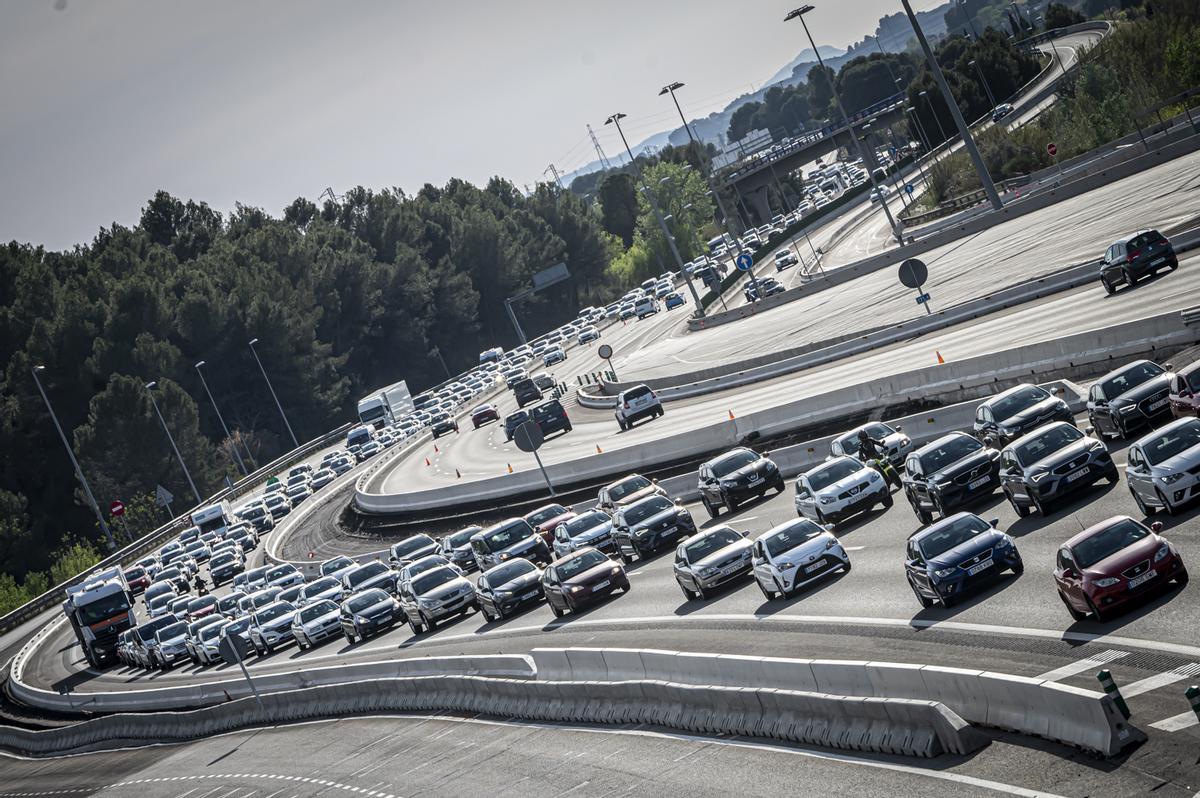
(1023, 408)
(271, 627)
(1163, 469)
(173, 577)
(761, 288)
(526, 391)
(626, 312)
(320, 589)
(544, 519)
(420, 566)
(544, 381)
(636, 403)
(252, 580)
(673, 300)
(735, 476)
(298, 493)
(627, 490)
(1050, 463)
(198, 551)
(370, 575)
(369, 449)
(229, 605)
(337, 566)
(367, 613)
(245, 539)
(646, 306)
(784, 259)
(239, 629)
(876, 193)
(321, 478)
(508, 587)
(483, 414)
(890, 440)
(258, 599)
(1184, 393)
(145, 642)
(191, 640)
(511, 538)
(159, 606)
(588, 334)
(170, 645)
(581, 578)
(277, 505)
(178, 605)
(554, 355)
(316, 622)
(1133, 396)
(948, 473)
(207, 641)
(302, 478)
(443, 424)
(341, 465)
(551, 417)
(946, 559)
(592, 528)
(201, 607)
(840, 488)
(1129, 259)
(793, 554)
(456, 547)
(138, 578)
(641, 528)
(411, 548)
(1112, 564)
(284, 575)
(710, 559)
(435, 595)
(1000, 111)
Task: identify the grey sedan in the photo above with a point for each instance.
(1164, 467)
(711, 558)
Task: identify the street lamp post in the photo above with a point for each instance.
(232, 443)
(87, 489)
(936, 118)
(178, 456)
(670, 89)
(985, 179)
(295, 442)
(983, 80)
(920, 161)
(799, 13)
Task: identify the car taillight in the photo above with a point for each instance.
(1132, 256)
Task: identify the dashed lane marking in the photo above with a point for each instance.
(1184, 720)
(1085, 664)
(1160, 680)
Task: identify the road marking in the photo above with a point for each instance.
(1160, 680)
(1183, 720)
(1085, 664)
(853, 548)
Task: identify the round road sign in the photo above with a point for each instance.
(528, 436)
(605, 351)
(913, 273)
(117, 509)
(1052, 148)
(744, 262)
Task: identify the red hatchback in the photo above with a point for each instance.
(546, 519)
(138, 579)
(1113, 563)
(483, 414)
(1184, 394)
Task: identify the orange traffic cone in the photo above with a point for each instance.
(510, 468)
(436, 449)
(427, 461)
(939, 357)
(598, 449)
(731, 416)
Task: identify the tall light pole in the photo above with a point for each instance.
(295, 442)
(670, 89)
(983, 80)
(87, 489)
(985, 179)
(799, 13)
(912, 112)
(615, 119)
(936, 118)
(178, 456)
(232, 443)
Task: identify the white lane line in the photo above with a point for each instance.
(1183, 720)
(1160, 680)
(853, 548)
(1085, 664)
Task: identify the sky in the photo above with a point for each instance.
(263, 101)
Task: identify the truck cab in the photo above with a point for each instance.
(99, 609)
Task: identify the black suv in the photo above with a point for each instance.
(1137, 395)
(736, 476)
(526, 391)
(1132, 258)
(514, 420)
(648, 525)
(948, 473)
(551, 416)
(1023, 408)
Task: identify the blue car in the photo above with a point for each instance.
(948, 558)
(673, 300)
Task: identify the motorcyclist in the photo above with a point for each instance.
(870, 452)
(201, 587)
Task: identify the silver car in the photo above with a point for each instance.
(421, 565)
(284, 575)
(271, 626)
(592, 528)
(316, 622)
(789, 556)
(1163, 469)
(709, 559)
(435, 595)
(320, 589)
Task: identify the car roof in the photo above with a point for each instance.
(723, 457)
(993, 399)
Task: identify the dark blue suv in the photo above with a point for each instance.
(948, 558)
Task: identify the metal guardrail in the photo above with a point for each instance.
(1190, 316)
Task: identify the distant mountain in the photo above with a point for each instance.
(806, 55)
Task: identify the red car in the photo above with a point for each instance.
(1112, 563)
(483, 414)
(138, 579)
(545, 519)
(1184, 393)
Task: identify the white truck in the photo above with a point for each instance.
(385, 406)
(99, 609)
(213, 518)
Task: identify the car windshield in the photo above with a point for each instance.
(1108, 541)
(951, 534)
(589, 520)
(94, 610)
(503, 574)
(433, 579)
(1018, 401)
(482, 409)
(505, 536)
(336, 564)
(211, 631)
(281, 570)
(462, 537)
(104, 608)
(1043, 444)
(365, 599)
(221, 559)
(316, 610)
(230, 601)
(368, 571)
(628, 486)
(425, 564)
(406, 547)
(1130, 378)
(832, 472)
(1166, 445)
(732, 462)
(274, 611)
(545, 514)
(789, 537)
(579, 564)
(640, 511)
(636, 393)
(1149, 237)
(238, 626)
(950, 451)
(705, 545)
(517, 418)
(201, 603)
(177, 629)
(319, 586)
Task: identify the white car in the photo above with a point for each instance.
(588, 334)
(646, 306)
(284, 576)
(634, 403)
(839, 488)
(554, 355)
(789, 556)
(271, 626)
(894, 442)
(592, 528)
(784, 259)
(1163, 468)
(421, 565)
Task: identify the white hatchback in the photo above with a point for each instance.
(789, 556)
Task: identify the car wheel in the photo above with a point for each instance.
(1143, 508)
(700, 594)
(554, 609)
(923, 515)
(1096, 613)
(1019, 568)
(768, 594)
(888, 501)
(938, 509)
(687, 594)
(1181, 578)
(1021, 511)
(820, 516)
(1166, 505)
(415, 627)
(429, 623)
(1129, 278)
(1108, 288)
(349, 637)
(712, 511)
(568, 428)
(499, 616)
(730, 502)
(1040, 506)
(1075, 614)
(948, 601)
(925, 601)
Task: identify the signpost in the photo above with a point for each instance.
(909, 188)
(117, 509)
(164, 497)
(529, 438)
(1052, 150)
(913, 274)
(605, 352)
(234, 649)
(745, 263)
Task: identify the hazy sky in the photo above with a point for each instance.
(106, 101)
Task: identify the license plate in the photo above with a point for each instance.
(601, 585)
(529, 595)
(975, 483)
(729, 569)
(808, 569)
(1157, 261)
(1074, 475)
(1159, 403)
(1143, 579)
(983, 566)
(754, 480)
(671, 530)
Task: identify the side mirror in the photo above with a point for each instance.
(1156, 527)
(1070, 573)
(745, 533)
(899, 428)
(989, 441)
(1090, 430)
(995, 522)
(1168, 367)
(828, 527)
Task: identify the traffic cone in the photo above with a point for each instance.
(436, 449)
(510, 468)
(939, 357)
(457, 474)
(312, 554)
(731, 416)
(598, 449)
(427, 462)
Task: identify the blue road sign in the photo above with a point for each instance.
(923, 298)
(744, 262)
(909, 188)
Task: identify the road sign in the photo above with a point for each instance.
(272, 480)
(909, 188)
(605, 351)
(922, 299)
(913, 273)
(549, 276)
(117, 509)
(163, 496)
(528, 436)
(744, 261)
(1052, 148)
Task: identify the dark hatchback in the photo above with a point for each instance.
(456, 547)
(1050, 463)
(551, 416)
(442, 425)
(1128, 398)
(945, 560)
(526, 391)
(949, 473)
(1021, 409)
(514, 420)
(580, 579)
(649, 525)
(1132, 258)
(732, 478)
(368, 613)
(508, 587)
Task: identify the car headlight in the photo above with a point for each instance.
(504, 594)
(575, 588)
(1006, 430)
(829, 544)
(942, 573)
(828, 499)
(1162, 553)
(1107, 581)
(1039, 476)
(424, 602)
(1126, 408)
(707, 572)
(1098, 446)
(1004, 542)
(1170, 479)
